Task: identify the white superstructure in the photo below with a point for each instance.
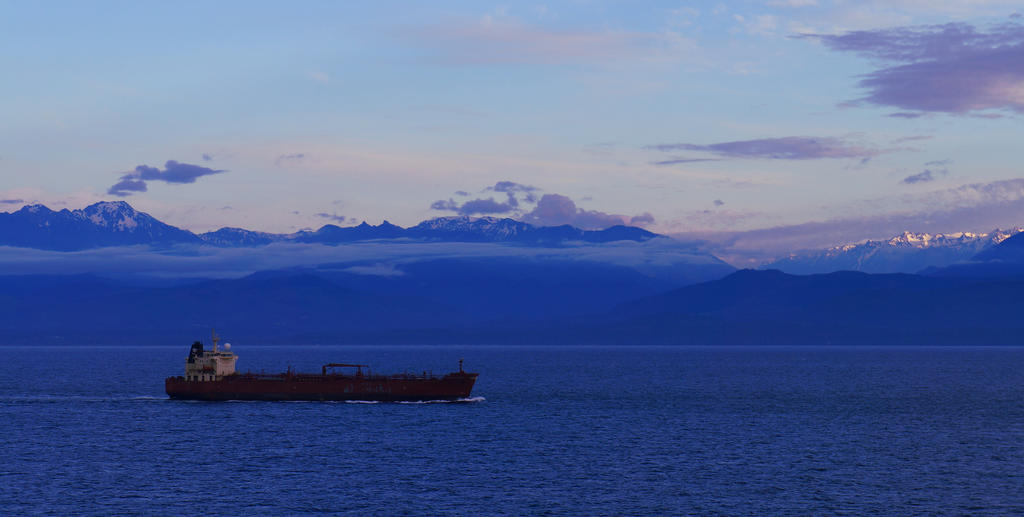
(209, 365)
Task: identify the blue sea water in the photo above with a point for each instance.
(554, 431)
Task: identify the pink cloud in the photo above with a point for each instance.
(491, 42)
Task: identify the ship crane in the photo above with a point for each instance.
(358, 367)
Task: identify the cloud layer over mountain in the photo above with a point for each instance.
(549, 210)
(216, 262)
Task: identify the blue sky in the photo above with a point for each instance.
(693, 118)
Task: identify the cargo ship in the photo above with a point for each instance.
(211, 375)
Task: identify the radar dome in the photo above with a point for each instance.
(227, 346)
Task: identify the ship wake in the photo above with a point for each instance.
(456, 401)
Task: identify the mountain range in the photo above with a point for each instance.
(116, 223)
(507, 282)
(109, 224)
(904, 253)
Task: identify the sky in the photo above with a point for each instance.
(756, 125)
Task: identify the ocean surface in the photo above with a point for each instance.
(551, 431)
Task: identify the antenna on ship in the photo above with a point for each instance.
(215, 339)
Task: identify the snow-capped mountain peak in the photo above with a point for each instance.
(491, 226)
(907, 252)
(116, 215)
(35, 209)
(230, 236)
(927, 240)
(108, 223)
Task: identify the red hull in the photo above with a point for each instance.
(392, 388)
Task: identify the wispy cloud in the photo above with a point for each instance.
(951, 68)
(288, 159)
(12, 201)
(643, 219)
(785, 148)
(511, 187)
(912, 138)
(488, 206)
(677, 161)
(445, 204)
(173, 172)
(126, 186)
(921, 177)
(491, 41)
(332, 216)
(760, 24)
(907, 115)
(935, 169)
(479, 206)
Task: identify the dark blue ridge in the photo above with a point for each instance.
(1010, 250)
(771, 307)
(514, 302)
(1004, 260)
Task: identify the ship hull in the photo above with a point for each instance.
(453, 386)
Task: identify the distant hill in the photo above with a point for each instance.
(904, 253)
(771, 307)
(116, 223)
(507, 288)
(348, 301)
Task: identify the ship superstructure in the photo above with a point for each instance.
(209, 365)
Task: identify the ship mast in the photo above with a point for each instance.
(215, 339)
